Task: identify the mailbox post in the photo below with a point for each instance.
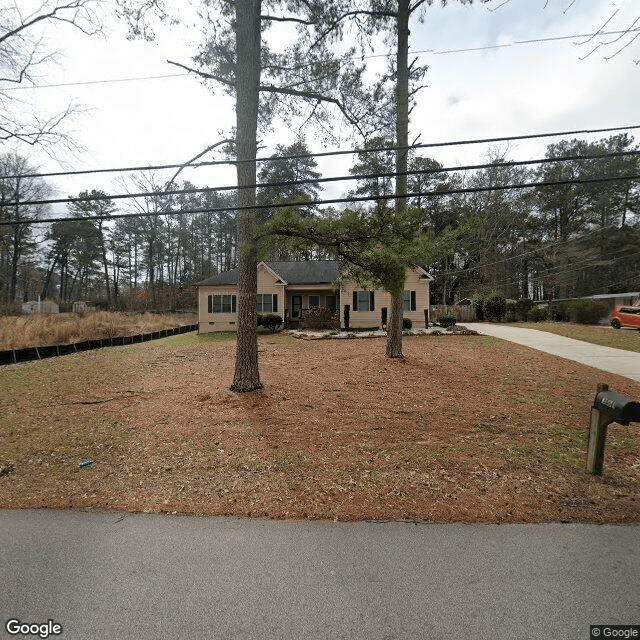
(608, 407)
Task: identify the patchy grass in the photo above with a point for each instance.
(626, 339)
(465, 428)
(39, 330)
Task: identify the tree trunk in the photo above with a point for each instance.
(394, 331)
(105, 264)
(247, 376)
(47, 278)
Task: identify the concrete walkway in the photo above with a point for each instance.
(117, 576)
(618, 361)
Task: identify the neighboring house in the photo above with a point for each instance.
(288, 289)
(40, 306)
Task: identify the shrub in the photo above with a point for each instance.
(494, 306)
(320, 318)
(536, 314)
(559, 312)
(446, 321)
(270, 321)
(407, 323)
(586, 311)
(510, 313)
(478, 303)
(522, 308)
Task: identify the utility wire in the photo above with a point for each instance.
(178, 212)
(324, 154)
(528, 253)
(418, 52)
(291, 183)
(554, 271)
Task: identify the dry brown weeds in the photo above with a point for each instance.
(63, 328)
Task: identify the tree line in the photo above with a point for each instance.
(538, 242)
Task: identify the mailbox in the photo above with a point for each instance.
(618, 408)
(608, 407)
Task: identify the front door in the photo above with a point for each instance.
(296, 307)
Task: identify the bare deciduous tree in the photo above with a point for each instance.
(24, 56)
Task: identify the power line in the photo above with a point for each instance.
(418, 52)
(93, 82)
(526, 253)
(324, 154)
(557, 270)
(351, 177)
(352, 199)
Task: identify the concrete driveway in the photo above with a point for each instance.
(618, 361)
(112, 575)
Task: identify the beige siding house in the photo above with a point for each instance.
(288, 289)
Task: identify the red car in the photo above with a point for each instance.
(625, 317)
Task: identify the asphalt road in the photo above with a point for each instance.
(618, 361)
(117, 576)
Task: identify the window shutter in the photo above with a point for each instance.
(210, 303)
(275, 302)
(413, 301)
(355, 300)
(233, 304)
(372, 304)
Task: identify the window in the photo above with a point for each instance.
(222, 304)
(363, 301)
(409, 300)
(331, 302)
(314, 301)
(267, 302)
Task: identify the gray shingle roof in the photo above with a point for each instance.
(307, 272)
(226, 277)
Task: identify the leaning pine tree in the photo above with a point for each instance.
(376, 246)
(396, 15)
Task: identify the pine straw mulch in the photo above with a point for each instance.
(464, 429)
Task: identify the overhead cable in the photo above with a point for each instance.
(352, 199)
(324, 154)
(291, 183)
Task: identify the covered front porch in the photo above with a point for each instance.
(298, 299)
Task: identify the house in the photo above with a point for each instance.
(40, 306)
(288, 289)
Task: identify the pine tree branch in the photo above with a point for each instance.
(351, 14)
(199, 155)
(312, 95)
(416, 5)
(287, 19)
(204, 74)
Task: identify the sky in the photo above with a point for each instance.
(499, 86)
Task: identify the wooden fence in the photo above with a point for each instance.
(462, 313)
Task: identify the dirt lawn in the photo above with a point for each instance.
(465, 428)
